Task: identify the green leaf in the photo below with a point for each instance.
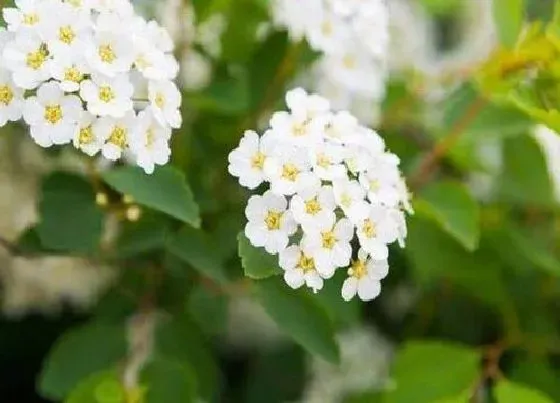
(196, 248)
(208, 309)
(451, 205)
(509, 15)
(428, 371)
(101, 387)
(70, 218)
(167, 381)
(226, 95)
(537, 373)
(78, 353)
(299, 316)
(165, 190)
(257, 264)
(144, 236)
(509, 392)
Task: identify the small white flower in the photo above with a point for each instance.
(165, 99)
(299, 269)
(381, 183)
(327, 160)
(329, 33)
(107, 96)
(86, 138)
(270, 224)
(365, 275)
(150, 142)
(340, 126)
(11, 99)
(52, 115)
(350, 196)
(246, 162)
(377, 230)
(116, 134)
(28, 15)
(28, 58)
(314, 206)
(330, 246)
(289, 171)
(69, 31)
(69, 69)
(110, 53)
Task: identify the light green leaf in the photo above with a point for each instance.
(509, 392)
(168, 381)
(196, 248)
(165, 190)
(78, 353)
(257, 263)
(537, 373)
(428, 371)
(509, 15)
(70, 218)
(101, 387)
(299, 316)
(451, 205)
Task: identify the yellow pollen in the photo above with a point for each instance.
(53, 114)
(369, 229)
(141, 62)
(6, 94)
(257, 162)
(106, 54)
(323, 161)
(150, 137)
(75, 3)
(312, 206)
(299, 129)
(305, 263)
(272, 220)
(106, 94)
(329, 239)
(327, 28)
(35, 60)
(73, 74)
(30, 19)
(358, 269)
(86, 135)
(346, 200)
(66, 34)
(118, 137)
(349, 62)
(290, 172)
(374, 185)
(159, 100)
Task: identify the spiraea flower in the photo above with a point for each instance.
(74, 70)
(334, 198)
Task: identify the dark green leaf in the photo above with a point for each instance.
(208, 309)
(101, 387)
(168, 381)
(537, 373)
(256, 263)
(146, 235)
(509, 392)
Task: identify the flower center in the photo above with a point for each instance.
(349, 62)
(73, 74)
(346, 200)
(53, 114)
(142, 63)
(106, 94)
(323, 161)
(86, 135)
(299, 129)
(118, 137)
(66, 34)
(31, 18)
(329, 239)
(35, 60)
(150, 137)
(159, 100)
(374, 185)
(6, 94)
(272, 220)
(312, 206)
(327, 28)
(75, 3)
(257, 162)
(290, 172)
(106, 54)
(306, 263)
(358, 269)
(369, 229)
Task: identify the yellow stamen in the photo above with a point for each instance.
(323, 161)
(30, 19)
(106, 93)
(329, 239)
(66, 34)
(369, 229)
(6, 94)
(35, 60)
(53, 114)
(118, 137)
(86, 135)
(290, 172)
(257, 162)
(106, 54)
(272, 220)
(305, 263)
(73, 74)
(358, 269)
(159, 100)
(312, 206)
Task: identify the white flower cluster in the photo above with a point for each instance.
(78, 70)
(332, 185)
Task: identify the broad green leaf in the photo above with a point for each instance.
(464, 397)
(196, 248)
(299, 316)
(165, 190)
(451, 205)
(144, 236)
(428, 371)
(78, 353)
(509, 15)
(70, 219)
(508, 392)
(537, 373)
(226, 95)
(168, 381)
(257, 264)
(208, 309)
(101, 387)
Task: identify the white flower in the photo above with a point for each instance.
(69, 31)
(289, 171)
(270, 224)
(107, 96)
(340, 126)
(69, 69)
(314, 206)
(327, 160)
(246, 162)
(86, 138)
(329, 33)
(116, 134)
(28, 59)
(377, 230)
(110, 53)
(350, 196)
(365, 277)
(299, 269)
(52, 115)
(11, 99)
(150, 142)
(28, 15)
(381, 183)
(165, 99)
(330, 245)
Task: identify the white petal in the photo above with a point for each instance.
(294, 278)
(368, 289)
(349, 288)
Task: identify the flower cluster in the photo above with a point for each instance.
(331, 185)
(78, 71)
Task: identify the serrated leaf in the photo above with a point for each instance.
(299, 316)
(196, 248)
(428, 371)
(508, 392)
(451, 205)
(70, 219)
(257, 263)
(168, 381)
(508, 15)
(166, 190)
(101, 387)
(78, 353)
